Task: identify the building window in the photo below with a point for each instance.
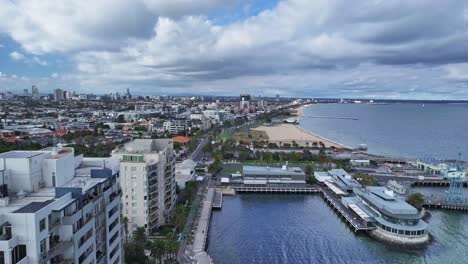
(18, 253)
(43, 245)
(42, 224)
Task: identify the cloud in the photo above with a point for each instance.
(178, 8)
(16, 56)
(39, 61)
(298, 47)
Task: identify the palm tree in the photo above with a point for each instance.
(125, 222)
(172, 246)
(158, 249)
(139, 234)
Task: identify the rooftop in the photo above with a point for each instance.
(270, 171)
(19, 154)
(386, 202)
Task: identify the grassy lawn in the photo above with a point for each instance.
(252, 135)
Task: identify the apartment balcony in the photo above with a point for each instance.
(61, 260)
(56, 248)
(8, 241)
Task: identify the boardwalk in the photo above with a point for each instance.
(345, 212)
(201, 232)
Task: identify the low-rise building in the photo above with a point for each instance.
(395, 220)
(271, 176)
(184, 172)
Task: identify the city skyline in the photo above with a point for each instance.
(298, 48)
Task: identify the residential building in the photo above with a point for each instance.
(58, 208)
(148, 182)
(175, 126)
(59, 94)
(184, 172)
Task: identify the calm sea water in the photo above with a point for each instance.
(276, 228)
(409, 130)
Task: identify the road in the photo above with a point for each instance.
(198, 154)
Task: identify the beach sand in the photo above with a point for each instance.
(287, 133)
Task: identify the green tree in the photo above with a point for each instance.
(308, 170)
(416, 200)
(158, 249)
(311, 180)
(120, 119)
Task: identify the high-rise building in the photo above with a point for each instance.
(34, 91)
(59, 94)
(25, 91)
(58, 208)
(244, 101)
(148, 182)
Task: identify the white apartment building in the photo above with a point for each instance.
(147, 180)
(58, 208)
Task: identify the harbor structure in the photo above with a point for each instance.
(396, 187)
(148, 182)
(343, 180)
(395, 220)
(56, 207)
(273, 176)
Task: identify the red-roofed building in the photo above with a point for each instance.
(181, 139)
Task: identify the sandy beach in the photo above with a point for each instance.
(287, 133)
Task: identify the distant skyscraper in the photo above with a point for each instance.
(128, 93)
(59, 94)
(244, 101)
(277, 98)
(26, 92)
(34, 91)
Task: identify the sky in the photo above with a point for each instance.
(387, 49)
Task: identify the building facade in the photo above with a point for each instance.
(58, 208)
(148, 182)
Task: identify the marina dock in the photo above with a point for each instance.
(352, 219)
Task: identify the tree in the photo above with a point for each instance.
(416, 200)
(125, 223)
(158, 249)
(308, 170)
(120, 119)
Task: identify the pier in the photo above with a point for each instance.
(352, 219)
(218, 199)
(434, 183)
(277, 189)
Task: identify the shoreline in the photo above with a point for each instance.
(300, 112)
(292, 134)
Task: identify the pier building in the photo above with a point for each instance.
(395, 220)
(273, 176)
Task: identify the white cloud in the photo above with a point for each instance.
(296, 47)
(39, 61)
(16, 56)
(177, 8)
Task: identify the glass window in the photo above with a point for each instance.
(42, 224)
